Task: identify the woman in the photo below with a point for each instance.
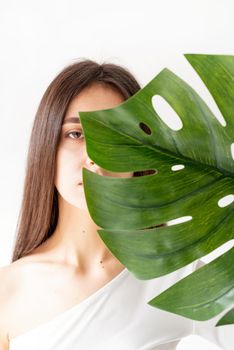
(65, 287)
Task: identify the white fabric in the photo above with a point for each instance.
(117, 316)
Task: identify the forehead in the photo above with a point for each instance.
(92, 98)
(75, 120)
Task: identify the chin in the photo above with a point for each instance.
(80, 204)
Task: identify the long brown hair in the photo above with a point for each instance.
(39, 208)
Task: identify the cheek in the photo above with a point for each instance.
(66, 167)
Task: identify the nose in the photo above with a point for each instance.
(90, 164)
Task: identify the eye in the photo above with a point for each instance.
(80, 135)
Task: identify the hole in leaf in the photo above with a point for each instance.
(145, 128)
(220, 118)
(214, 108)
(160, 225)
(179, 220)
(177, 167)
(145, 172)
(225, 201)
(232, 150)
(166, 113)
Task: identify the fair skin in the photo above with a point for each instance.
(75, 241)
(74, 262)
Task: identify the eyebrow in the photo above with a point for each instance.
(75, 120)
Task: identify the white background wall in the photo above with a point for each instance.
(37, 39)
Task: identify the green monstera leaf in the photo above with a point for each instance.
(192, 172)
(228, 318)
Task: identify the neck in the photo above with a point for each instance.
(76, 241)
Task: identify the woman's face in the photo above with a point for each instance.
(71, 155)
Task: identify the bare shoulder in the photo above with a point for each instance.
(12, 278)
(8, 280)
(7, 291)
